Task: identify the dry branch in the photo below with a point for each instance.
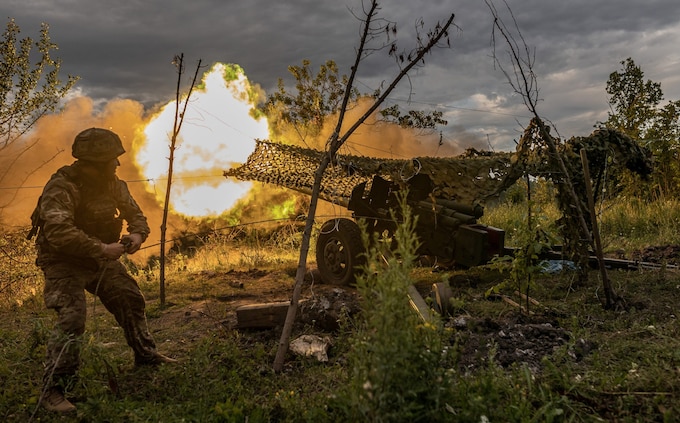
(334, 143)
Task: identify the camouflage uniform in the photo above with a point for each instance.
(77, 215)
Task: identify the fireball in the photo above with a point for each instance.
(218, 133)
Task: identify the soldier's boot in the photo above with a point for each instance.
(54, 400)
(154, 360)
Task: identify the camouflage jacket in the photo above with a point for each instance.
(76, 215)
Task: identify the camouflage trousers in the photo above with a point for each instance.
(64, 292)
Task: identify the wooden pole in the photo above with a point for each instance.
(177, 125)
(608, 291)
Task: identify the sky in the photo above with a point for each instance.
(124, 50)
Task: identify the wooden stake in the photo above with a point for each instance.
(608, 290)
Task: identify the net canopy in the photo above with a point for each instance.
(469, 178)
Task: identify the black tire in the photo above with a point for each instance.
(339, 251)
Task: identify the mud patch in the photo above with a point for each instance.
(668, 254)
(508, 343)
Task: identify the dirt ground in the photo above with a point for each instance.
(515, 337)
(665, 254)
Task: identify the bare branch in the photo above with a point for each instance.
(177, 125)
(333, 144)
(27, 175)
(524, 82)
(420, 53)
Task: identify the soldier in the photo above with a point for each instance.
(78, 222)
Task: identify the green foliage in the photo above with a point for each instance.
(511, 214)
(395, 374)
(626, 224)
(315, 97)
(318, 96)
(635, 111)
(663, 139)
(633, 100)
(524, 266)
(27, 90)
(632, 224)
(413, 118)
(225, 374)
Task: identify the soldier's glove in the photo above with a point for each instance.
(132, 242)
(113, 251)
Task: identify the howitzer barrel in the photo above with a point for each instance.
(449, 221)
(475, 210)
(448, 213)
(464, 218)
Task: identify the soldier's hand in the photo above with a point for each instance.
(113, 251)
(135, 242)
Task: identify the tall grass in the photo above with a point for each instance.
(626, 224)
(631, 223)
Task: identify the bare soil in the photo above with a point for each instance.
(515, 337)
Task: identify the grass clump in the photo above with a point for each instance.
(20, 279)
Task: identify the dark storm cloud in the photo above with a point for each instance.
(124, 49)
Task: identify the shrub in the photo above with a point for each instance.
(394, 361)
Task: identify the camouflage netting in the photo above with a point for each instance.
(610, 153)
(607, 150)
(470, 178)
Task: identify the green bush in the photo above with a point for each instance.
(394, 361)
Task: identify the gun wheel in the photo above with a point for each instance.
(339, 251)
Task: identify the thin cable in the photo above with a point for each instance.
(148, 180)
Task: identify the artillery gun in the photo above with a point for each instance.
(446, 195)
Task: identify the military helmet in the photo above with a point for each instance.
(97, 145)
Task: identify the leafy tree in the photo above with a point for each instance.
(663, 139)
(27, 90)
(315, 97)
(318, 96)
(632, 100)
(635, 111)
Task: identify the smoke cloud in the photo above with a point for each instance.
(28, 164)
(35, 157)
(380, 139)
